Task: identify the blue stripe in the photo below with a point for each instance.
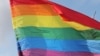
(60, 45)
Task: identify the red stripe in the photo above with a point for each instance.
(69, 14)
(40, 52)
(28, 2)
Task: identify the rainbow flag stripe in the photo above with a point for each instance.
(44, 28)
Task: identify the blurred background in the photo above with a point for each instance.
(8, 45)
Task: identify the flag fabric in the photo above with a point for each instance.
(44, 28)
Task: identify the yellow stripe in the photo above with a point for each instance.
(45, 21)
(39, 21)
(77, 26)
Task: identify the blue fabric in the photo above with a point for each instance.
(60, 45)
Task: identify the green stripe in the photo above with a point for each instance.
(91, 34)
(53, 33)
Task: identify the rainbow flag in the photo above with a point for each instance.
(44, 28)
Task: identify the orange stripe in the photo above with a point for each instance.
(42, 9)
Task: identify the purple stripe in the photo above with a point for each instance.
(40, 52)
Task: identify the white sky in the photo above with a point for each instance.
(7, 37)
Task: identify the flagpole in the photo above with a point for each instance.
(94, 14)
